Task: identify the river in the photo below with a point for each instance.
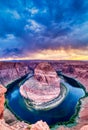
(59, 113)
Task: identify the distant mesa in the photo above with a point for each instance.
(44, 86)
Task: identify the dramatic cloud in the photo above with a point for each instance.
(29, 27)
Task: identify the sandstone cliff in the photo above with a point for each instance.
(10, 71)
(2, 100)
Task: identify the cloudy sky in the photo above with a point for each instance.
(44, 29)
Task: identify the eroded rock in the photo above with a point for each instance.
(43, 86)
(83, 114)
(40, 125)
(2, 100)
(85, 127)
(10, 71)
(46, 75)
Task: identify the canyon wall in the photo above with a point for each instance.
(10, 71)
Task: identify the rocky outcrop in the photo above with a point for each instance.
(83, 114)
(2, 100)
(85, 127)
(43, 86)
(40, 125)
(46, 74)
(17, 126)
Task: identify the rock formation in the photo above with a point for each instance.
(2, 100)
(40, 125)
(10, 71)
(83, 114)
(43, 86)
(46, 74)
(85, 127)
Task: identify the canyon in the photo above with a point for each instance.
(10, 71)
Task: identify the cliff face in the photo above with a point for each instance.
(10, 71)
(3, 125)
(2, 101)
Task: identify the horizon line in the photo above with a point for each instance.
(41, 60)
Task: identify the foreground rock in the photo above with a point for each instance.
(83, 114)
(18, 126)
(84, 127)
(40, 125)
(43, 86)
(2, 100)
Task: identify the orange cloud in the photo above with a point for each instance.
(60, 54)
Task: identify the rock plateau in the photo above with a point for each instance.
(44, 86)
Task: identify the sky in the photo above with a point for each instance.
(44, 29)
